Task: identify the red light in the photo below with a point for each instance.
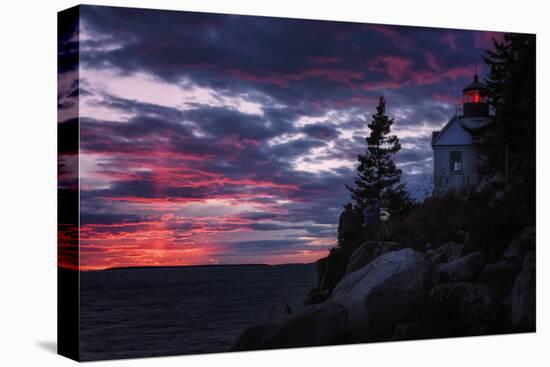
(472, 97)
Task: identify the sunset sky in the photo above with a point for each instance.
(209, 139)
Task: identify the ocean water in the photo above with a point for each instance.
(127, 313)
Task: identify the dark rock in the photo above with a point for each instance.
(323, 324)
(321, 268)
(464, 269)
(389, 290)
(335, 269)
(471, 307)
(349, 227)
(367, 252)
(429, 254)
(317, 325)
(278, 310)
(462, 237)
(316, 295)
(523, 296)
(257, 336)
(500, 276)
(446, 253)
(523, 243)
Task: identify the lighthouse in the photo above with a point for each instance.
(455, 155)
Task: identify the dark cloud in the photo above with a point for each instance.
(108, 218)
(276, 56)
(267, 247)
(330, 72)
(320, 131)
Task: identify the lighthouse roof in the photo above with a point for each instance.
(458, 131)
(475, 85)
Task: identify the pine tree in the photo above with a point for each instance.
(511, 84)
(378, 181)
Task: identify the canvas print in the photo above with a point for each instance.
(235, 183)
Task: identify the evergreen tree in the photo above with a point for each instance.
(378, 180)
(511, 84)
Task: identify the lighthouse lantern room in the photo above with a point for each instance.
(474, 101)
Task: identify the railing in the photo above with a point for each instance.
(459, 110)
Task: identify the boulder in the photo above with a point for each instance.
(278, 310)
(367, 252)
(471, 307)
(523, 296)
(500, 276)
(324, 324)
(321, 268)
(349, 227)
(256, 336)
(335, 269)
(316, 295)
(464, 269)
(523, 243)
(446, 253)
(390, 289)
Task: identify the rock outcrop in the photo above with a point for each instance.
(349, 227)
(470, 306)
(521, 244)
(445, 254)
(316, 295)
(463, 269)
(390, 289)
(500, 276)
(279, 310)
(523, 297)
(324, 324)
(389, 293)
(367, 252)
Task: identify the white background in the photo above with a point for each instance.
(28, 183)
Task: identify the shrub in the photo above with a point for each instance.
(437, 220)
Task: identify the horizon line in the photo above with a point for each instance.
(180, 266)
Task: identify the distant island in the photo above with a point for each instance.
(193, 266)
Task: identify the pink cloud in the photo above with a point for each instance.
(394, 66)
(425, 77)
(450, 40)
(432, 60)
(460, 71)
(269, 78)
(368, 86)
(391, 32)
(445, 98)
(283, 80)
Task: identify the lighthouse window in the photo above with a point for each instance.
(456, 162)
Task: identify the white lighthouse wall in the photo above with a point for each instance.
(443, 179)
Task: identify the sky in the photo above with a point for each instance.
(227, 139)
